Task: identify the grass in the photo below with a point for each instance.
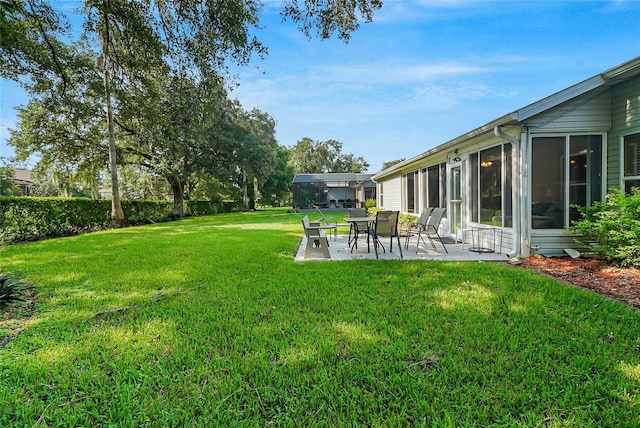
(209, 322)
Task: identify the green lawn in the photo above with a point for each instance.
(208, 321)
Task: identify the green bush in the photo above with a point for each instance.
(612, 228)
(370, 203)
(406, 219)
(143, 211)
(372, 211)
(232, 206)
(10, 290)
(30, 218)
(201, 207)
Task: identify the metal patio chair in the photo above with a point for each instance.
(386, 226)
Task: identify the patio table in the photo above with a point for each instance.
(354, 222)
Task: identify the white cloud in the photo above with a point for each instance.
(394, 74)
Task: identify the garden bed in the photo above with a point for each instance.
(622, 284)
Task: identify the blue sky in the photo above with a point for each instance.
(423, 72)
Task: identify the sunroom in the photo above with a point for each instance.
(521, 176)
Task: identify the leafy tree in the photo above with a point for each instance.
(309, 156)
(329, 17)
(255, 153)
(389, 164)
(276, 190)
(8, 186)
(30, 42)
(132, 48)
(183, 133)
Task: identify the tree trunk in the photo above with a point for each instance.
(117, 214)
(178, 198)
(245, 195)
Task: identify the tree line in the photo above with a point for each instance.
(139, 99)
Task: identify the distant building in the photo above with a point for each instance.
(23, 179)
(332, 190)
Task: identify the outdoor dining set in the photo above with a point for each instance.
(375, 229)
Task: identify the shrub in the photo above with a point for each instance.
(370, 203)
(232, 206)
(407, 219)
(196, 208)
(33, 218)
(372, 211)
(611, 229)
(10, 290)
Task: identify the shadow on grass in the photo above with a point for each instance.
(222, 329)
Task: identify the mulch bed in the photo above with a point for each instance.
(622, 284)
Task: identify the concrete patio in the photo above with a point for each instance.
(339, 250)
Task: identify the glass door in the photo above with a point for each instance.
(455, 219)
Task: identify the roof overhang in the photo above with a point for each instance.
(610, 77)
(505, 120)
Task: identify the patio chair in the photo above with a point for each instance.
(386, 226)
(328, 223)
(412, 229)
(317, 241)
(358, 228)
(430, 229)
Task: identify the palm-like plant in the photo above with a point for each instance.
(10, 290)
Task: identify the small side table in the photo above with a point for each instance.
(464, 232)
(483, 239)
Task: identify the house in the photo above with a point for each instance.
(332, 190)
(519, 176)
(22, 178)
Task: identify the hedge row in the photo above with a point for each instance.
(30, 219)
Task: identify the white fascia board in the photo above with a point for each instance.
(487, 128)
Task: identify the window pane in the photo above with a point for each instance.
(547, 172)
(491, 186)
(411, 192)
(474, 165)
(423, 187)
(443, 185)
(629, 184)
(585, 172)
(434, 186)
(507, 215)
(632, 155)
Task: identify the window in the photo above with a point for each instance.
(412, 195)
(381, 202)
(565, 170)
(433, 177)
(631, 177)
(491, 186)
(423, 188)
(436, 185)
(443, 185)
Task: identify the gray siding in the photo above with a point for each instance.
(552, 244)
(585, 113)
(392, 195)
(625, 107)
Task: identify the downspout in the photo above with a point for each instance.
(517, 177)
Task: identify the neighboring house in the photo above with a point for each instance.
(23, 180)
(522, 173)
(332, 190)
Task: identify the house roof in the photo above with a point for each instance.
(333, 177)
(615, 75)
(22, 176)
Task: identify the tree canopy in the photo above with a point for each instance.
(389, 164)
(309, 156)
(156, 71)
